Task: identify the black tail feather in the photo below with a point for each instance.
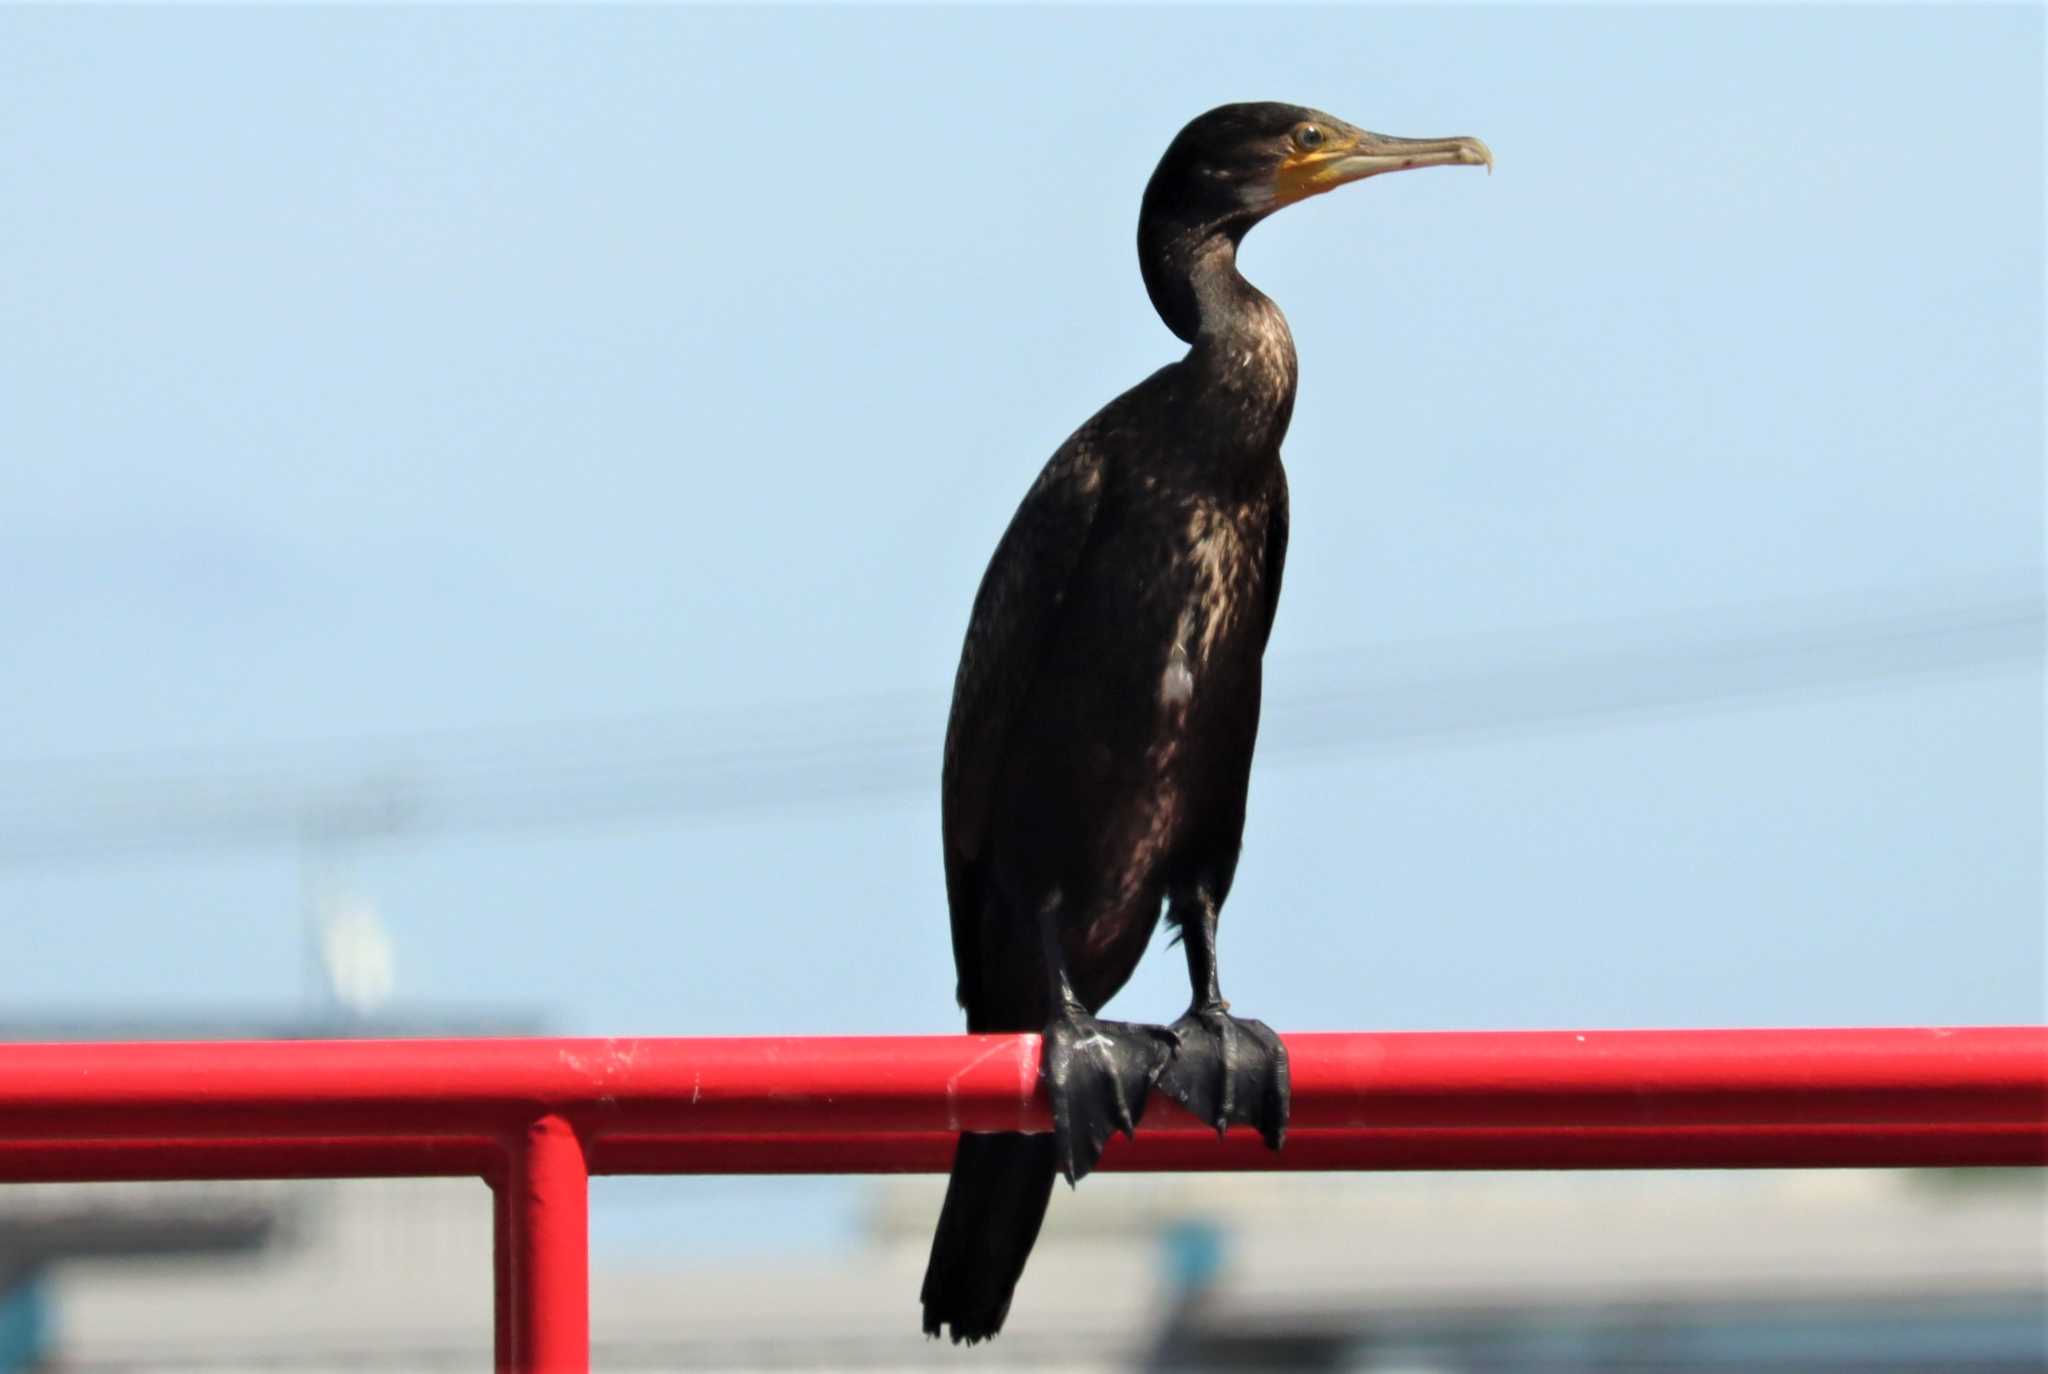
(994, 1206)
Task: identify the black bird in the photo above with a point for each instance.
(1108, 700)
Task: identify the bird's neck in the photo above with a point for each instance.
(1192, 277)
(1239, 343)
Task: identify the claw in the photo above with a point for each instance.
(1098, 1075)
(1228, 1070)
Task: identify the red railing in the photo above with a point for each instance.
(536, 1118)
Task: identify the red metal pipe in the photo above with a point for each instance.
(444, 1100)
(1163, 1144)
(535, 1117)
(1183, 1150)
(149, 1158)
(547, 1235)
(477, 1089)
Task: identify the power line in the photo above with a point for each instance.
(835, 752)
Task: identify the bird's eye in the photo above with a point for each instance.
(1307, 136)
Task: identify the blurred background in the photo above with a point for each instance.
(489, 500)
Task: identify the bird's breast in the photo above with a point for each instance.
(1209, 584)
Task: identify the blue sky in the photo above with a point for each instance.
(368, 375)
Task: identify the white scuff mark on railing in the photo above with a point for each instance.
(953, 1083)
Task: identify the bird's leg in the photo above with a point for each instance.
(1097, 1073)
(1223, 1069)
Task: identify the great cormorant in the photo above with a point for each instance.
(1108, 700)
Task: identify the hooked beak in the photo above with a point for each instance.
(1358, 155)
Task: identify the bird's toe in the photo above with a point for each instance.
(1099, 1075)
(1226, 1070)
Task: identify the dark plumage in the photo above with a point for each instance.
(1107, 702)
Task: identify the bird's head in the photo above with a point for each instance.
(1230, 168)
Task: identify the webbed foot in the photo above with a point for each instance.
(1098, 1075)
(1225, 1069)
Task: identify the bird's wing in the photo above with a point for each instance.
(1020, 599)
(1276, 548)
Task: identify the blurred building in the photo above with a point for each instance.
(1444, 1274)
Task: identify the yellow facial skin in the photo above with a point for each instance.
(1346, 154)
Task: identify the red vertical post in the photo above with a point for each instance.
(548, 1230)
